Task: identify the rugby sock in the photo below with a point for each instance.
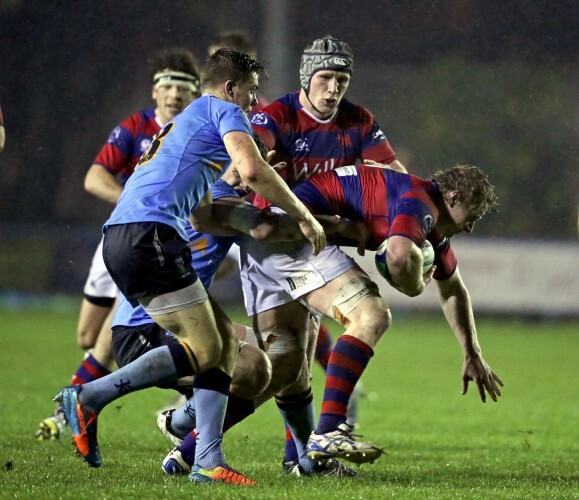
(299, 415)
(90, 369)
(348, 361)
(157, 366)
(323, 346)
(187, 447)
(237, 410)
(211, 391)
(290, 451)
(183, 419)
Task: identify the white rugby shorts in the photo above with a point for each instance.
(273, 274)
(99, 283)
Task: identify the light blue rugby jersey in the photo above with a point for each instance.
(191, 157)
(207, 254)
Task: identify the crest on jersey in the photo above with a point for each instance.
(115, 134)
(259, 119)
(302, 146)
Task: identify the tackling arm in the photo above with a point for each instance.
(263, 179)
(457, 308)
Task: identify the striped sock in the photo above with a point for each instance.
(323, 346)
(291, 451)
(348, 361)
(187, 448)
(90, 369)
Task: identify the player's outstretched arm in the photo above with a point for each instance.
(457, 308)
(263, 179)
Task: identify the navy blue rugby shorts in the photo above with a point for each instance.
(147, 258)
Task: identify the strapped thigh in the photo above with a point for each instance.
(350, 295)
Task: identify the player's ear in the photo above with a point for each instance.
(229, 84)
(453, 197)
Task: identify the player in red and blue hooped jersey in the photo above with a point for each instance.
(279, 281)
(315, 130)
(388, 202)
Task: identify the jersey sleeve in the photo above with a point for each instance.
(116, 154)
(232, 118)
(444, 257)
(375, 145)
(223, 190)
(1, 117)
(265, 125)
(413, 218)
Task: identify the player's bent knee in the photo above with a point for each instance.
(252, 373)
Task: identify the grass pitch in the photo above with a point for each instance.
(439, 444)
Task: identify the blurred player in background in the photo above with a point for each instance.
(315, 130)
(175, 84)
(282, 284)
(2, 131)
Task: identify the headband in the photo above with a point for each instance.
(170, 77)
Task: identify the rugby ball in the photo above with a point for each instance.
(382, 267)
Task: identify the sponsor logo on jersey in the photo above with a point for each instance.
(346, 171)
(259, 119)
(379, 135)
(307, 170)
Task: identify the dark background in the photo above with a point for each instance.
(492, 83)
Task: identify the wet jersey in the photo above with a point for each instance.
(388, 202)
(182, 163)
(127, 142)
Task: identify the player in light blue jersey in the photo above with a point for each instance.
(146, 252)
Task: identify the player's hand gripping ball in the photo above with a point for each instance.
(382, 267)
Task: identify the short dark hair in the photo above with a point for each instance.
(472, 185)
(239, 40)
(229, 64)
(176, 59)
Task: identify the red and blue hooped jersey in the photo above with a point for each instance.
(311, 146)
(1, 117)
(127, 142)
(388, 202)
